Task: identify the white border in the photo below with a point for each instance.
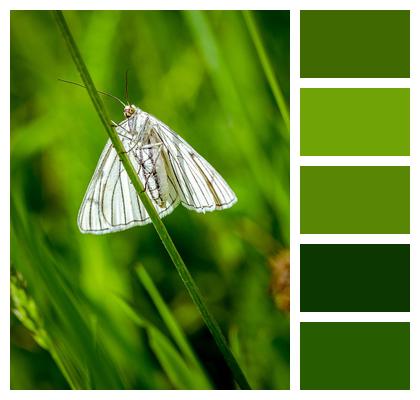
(5, 202)
(294, 198)
(354, 83)
(355, 239)
(414, 199)
(294, 5)
(296, 238)
(355, 316)
(354, 160)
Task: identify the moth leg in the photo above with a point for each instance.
(115, 125)
(149, 146)
(140, 137)
(159, 145)
(135, 137)
(154, 162)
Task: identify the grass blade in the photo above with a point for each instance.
(95, 370)
(157, 222)
(267, 67)
(170, 321)
(233, 103)
(177, 370)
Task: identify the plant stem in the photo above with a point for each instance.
(157, 222)
(267, 67)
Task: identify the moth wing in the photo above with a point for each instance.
(111, 203)
(200, 186)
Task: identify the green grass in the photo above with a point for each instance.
(103, 325)
(161, 230)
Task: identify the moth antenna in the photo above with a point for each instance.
(126, 87)
(103, 93)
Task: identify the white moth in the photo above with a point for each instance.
(171, 171)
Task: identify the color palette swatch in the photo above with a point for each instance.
(355, 355)
(343, 125)
(355, 277)
(355, 122)
(355, 199)
(355, 44)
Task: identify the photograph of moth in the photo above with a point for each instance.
(171, 171)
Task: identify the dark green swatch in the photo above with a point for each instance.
(355, 122)
(355, 355)
(355, 44)
(355, 200)
(354, 277)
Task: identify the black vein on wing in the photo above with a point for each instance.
(122, 191)
(185, 150)
(92, 185)
(185, 157)
(105, 185)
(183, 175)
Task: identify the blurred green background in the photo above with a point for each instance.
(104, 311)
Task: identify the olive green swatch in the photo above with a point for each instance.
(355, 355)
(355, 44)
(355, 278)
(355, 122)
(354, 200)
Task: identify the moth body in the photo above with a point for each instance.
(171, 171)
(153, 168)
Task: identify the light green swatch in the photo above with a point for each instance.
(355, 122)
(354, 200)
